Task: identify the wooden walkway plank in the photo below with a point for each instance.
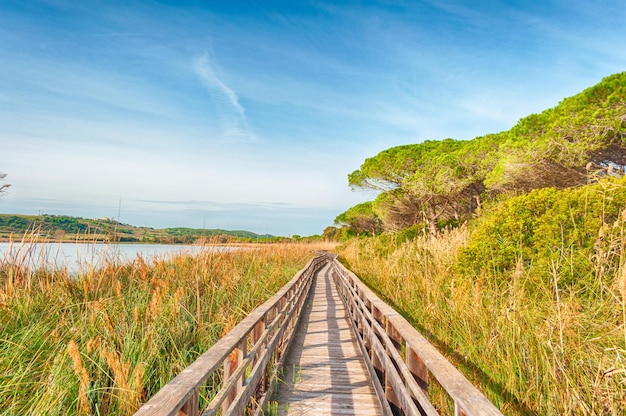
(324, 372)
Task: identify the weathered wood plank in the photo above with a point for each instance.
(325, 372)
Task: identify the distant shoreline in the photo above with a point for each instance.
(135, 243)
(64, 228)
(130, 243)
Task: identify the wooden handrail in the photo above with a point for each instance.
(247, 359)
(401, 357)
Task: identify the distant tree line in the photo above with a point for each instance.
(110, 230)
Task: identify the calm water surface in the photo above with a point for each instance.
(77, 257)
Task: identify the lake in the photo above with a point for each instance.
(83, 256)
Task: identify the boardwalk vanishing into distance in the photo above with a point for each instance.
(324, 371)
(324, 344)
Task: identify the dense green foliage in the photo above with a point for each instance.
(441, 182)
(558, 147)
(533, 230)
(360, 219)
(70, 224)
(15, 223)
(529, 301)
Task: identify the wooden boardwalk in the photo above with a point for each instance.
(324, 371)
(303, 353)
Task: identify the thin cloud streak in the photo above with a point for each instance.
(233, 114)
(211, 81)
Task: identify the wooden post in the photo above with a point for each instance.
(255, 336)
(230, 366)
(190, 408)
(390, 394)
(394, 335)
(396, 338)
(417, 368)
(257, 332)
(368, 332)
(376, 362)
(281, 343)
(378, 315)
(358, 314)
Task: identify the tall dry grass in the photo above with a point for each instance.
(104, 341)
(534, 346)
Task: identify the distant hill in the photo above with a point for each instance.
(67, 228)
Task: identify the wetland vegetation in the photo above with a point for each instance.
(106, 340)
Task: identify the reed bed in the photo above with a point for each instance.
(105, 340)
(533, 345)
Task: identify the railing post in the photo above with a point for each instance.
(231, 364)
(281, 343)
(257, 332)
(394, 336)
(417, 367)
(368, 332)
(377, 314)
(191, 407)
(255, 336)
(376, 362)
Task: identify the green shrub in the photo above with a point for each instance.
(410, 233)
(534, 230)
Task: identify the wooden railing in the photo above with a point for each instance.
(401, 360)
(247, 359)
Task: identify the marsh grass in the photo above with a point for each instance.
(105, 340)
(533, 341)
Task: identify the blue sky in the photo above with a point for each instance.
(250, 114)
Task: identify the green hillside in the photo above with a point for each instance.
(62, 227)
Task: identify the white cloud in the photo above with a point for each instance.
(233, 116)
